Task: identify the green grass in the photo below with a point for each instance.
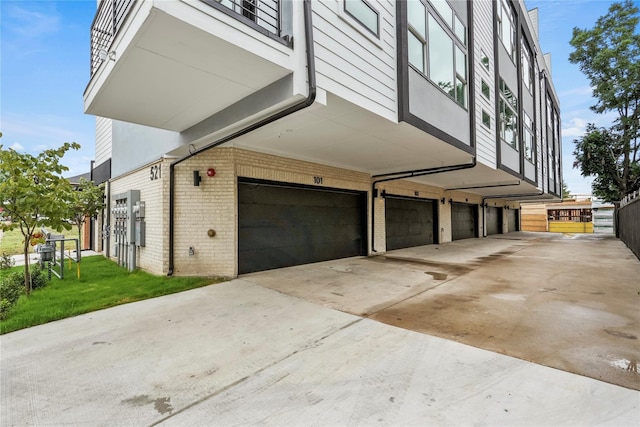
(11, 241)
(102, 284)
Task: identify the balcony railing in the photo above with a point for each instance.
(108, 20)
(264, 13)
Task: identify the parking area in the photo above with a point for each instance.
(565, 301)
(358, 341)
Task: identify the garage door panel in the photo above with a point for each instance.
(281, 226)
(512, 219)
(494, 220)
(463, 221)
(409, 222)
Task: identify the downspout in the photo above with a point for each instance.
(393, 176)
(307, 102)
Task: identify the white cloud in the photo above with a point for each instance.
(574, 128)
(577, 91)
(33, 23)
(17, 146)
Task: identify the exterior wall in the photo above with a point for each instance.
(135, 145)
(153, 256)
(103, 140)
(351, 62)
(534, 217)
(213, 205)
(483, 42)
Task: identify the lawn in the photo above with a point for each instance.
(11, 241)
(102, 284)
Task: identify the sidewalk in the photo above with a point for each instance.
(35, 257)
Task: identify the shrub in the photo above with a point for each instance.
(6, 261)
(10, 290)
(39, 277)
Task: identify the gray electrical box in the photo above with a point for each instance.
(138, 209)
(140, 233)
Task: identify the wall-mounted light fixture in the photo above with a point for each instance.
(450, 201)
(442, 200)
(196, 178)
(104, 55)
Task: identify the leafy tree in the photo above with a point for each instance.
(34, 193)
(609, 56)
(566, 193)
(88, 200)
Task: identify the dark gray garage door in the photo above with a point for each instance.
(512, 219)
(494, 220)
(280, 226)
(409, 222)
(463, 221)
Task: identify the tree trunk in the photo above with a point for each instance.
(27, 275)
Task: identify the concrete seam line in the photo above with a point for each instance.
(264, 368)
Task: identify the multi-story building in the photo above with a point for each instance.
(267, 133)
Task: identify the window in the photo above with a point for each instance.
(527, 137)
(527, 73)
(486, 91)
(506, 27)
(364, 13)
(508, 118)
(437, 46)
(486, 119)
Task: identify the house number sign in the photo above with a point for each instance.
(156, 172)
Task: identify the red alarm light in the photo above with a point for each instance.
(211, 172)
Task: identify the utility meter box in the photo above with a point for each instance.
(140, 233)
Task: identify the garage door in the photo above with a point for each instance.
(494, 220)
(281, 226)
(463, 221)
(512, 219)
(409, 222)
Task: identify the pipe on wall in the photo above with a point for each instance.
(393, 176)
(307, 102)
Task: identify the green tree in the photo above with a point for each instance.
(609, 56)
(566, 193)
(88, 200)
(34, 194)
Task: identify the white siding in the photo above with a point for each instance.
(104, 137)
(483, 41)
(353, 64)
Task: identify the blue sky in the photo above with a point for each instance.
(44, 69)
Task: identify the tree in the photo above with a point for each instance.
(566, 194)
(88, 200)
(34, 193)
(609, 56)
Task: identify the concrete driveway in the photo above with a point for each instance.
(240, 353)
(569, 302)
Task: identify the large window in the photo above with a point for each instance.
(365, 14)
(437, 46)
(508, 117)
(506, 27)
(529, 146)
(527, 72)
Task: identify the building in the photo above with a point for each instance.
(243, 135)
(579, 214)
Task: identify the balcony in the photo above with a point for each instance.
(172, 64)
